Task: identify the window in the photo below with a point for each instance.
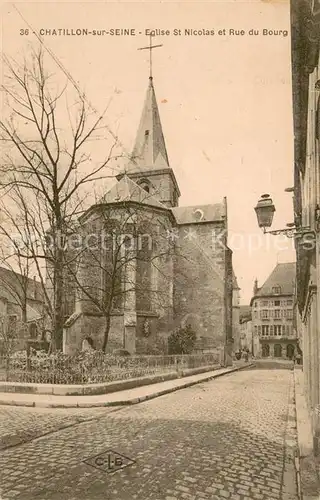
(112, 255)
(264, 313)
(259, 329)
(277, 302)
(264, 303)
(145, 184)
(12, 322)
(277, 313)
(265, 330)
(289, 314)
(33, 331)
(271, 330)
(289, 302)
(278, 330)
(144, 270)
(276, 290)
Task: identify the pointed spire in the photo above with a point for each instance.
(149, 150)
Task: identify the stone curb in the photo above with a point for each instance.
(308, 480)
(127, 402)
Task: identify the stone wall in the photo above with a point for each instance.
(161, 183)
(199, 285)
(86, 325)
(147, 278)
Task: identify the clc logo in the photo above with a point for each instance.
(109, 460)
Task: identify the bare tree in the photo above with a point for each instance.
(46, 166)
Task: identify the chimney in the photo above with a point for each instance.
(255, 287)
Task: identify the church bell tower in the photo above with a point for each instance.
(149, 163)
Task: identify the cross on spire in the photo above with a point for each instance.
(150, 47)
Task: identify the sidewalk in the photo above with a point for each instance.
(307, 467)
(127, 397)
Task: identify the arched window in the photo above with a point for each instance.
(87, 344)
(145, 184)
(144, 275)
(33, 333)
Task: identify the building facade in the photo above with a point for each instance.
(21, 304)
(164, 266)
(305, 22)
(272, 313)
(236, 314)
(248, 341)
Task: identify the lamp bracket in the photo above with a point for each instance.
(291, 232)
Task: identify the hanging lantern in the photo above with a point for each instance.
(265, 210)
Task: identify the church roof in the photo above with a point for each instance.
(282, 276)
(127, 190)
(149, 149)
(13, 284)
(199, 213)
(33, 314)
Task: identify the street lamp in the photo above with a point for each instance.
(265, 211)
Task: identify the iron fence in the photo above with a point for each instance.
(95, 367)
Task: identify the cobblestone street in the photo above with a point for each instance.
(233, 437)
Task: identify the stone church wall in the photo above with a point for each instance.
(199, 286)
(93, 326)
(163, 277)
(162, 187)
(153, 297)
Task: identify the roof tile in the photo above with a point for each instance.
(284, 276)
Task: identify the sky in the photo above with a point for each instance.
(224, 99)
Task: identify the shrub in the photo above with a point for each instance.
(86, 367)
(182, 341)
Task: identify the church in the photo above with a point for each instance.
(157, 265)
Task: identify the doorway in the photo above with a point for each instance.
(278, 351)
(290, 351)
(265, 350)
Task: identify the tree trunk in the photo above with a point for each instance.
(106, 333)
(24, 313)
(59, 297)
